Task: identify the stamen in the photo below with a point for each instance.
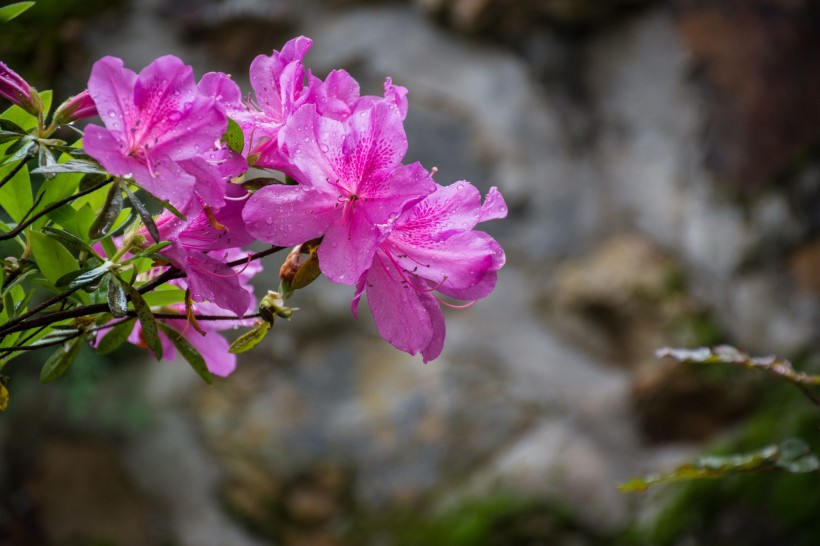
(454, 306)
(212, 219)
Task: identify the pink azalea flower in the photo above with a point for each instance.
(338, 96)
(212, 346)
(432, 248)
(278, 82)
(352, 183)
(157, 125)
(203, 245)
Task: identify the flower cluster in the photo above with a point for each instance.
(378, 224)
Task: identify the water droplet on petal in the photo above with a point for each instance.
(460, 187)
(307, 139)
(324, 147)
(269, 220)
(112, 114)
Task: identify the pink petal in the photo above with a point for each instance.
(402, 315)
(383, 199)
(111, 86)
(494, 206)
(289, 215)
(396, 94)
(374, 145)
(220, 87)
(347, 248)
(211, 280)
(458, 263)
(214, 349)
(313, 144)
(449, 210)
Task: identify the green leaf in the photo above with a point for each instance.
(115, 337)
(15, 195)
(59, 362)
(153, 249)
(52, 258)
(70, 240)
(78, 279)
(163, 297)
(73, 166)
(7, 13)
(21, 151)
(251, 338)
(188, 352)
(234, 137)
(108, 214)
(792, 455)
(146, 217)
(146, 318)
(117, 301)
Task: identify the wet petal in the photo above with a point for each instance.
(289, 215)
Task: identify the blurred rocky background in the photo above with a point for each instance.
(661, 163)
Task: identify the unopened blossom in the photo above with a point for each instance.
(80, 106)
(432, 248)
(17, 91)
(155, 122)
(351, 184)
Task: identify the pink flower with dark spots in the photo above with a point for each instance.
(432, 248)
(351, 184)
(280, 85)
(155, 122)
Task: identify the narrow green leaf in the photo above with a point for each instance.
(250, 339)
(108, 214)
(15, 195)
(73, 166)
(52, 258)
(78, 279)
(117, 301)
(793, 455)
(70, 240)
(146, 318)
(188, 352)
(115, 337)
(172, 209)
(146, 217)
(234, 137)
(59, 362)
(7, 13)
(22, 151)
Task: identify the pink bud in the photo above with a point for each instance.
(18, 91)
(80, 106)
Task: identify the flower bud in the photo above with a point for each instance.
(291, 265)
(273, 305)
(79, 106)
(16, 90)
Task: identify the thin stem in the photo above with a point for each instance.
(36, 309)
(170, 274)
(57, 204)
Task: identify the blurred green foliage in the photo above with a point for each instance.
(47, 41)
(754, 509)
